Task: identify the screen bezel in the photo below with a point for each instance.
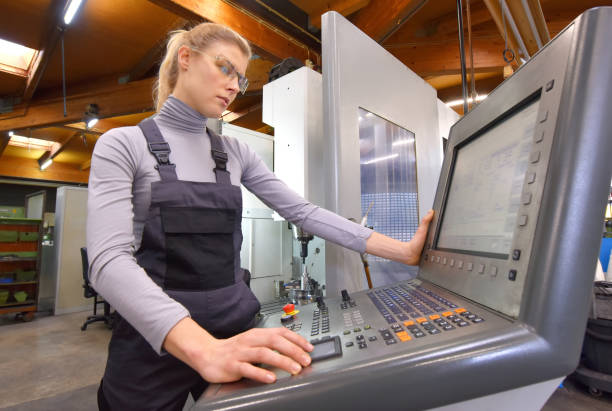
(531, 98)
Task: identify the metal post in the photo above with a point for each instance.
(462, 55)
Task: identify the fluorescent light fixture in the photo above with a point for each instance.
(71, 11)
(403, 142)
(376, 160)
(454, 103)
(32, 143)
(10, 133)
(46, 164)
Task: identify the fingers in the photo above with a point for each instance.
(286, 342)
(255, 373)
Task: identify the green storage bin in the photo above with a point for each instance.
(23, 276)
(8, 236)
(20, 296)
(12, 212)
(28, 236)
(3, 296)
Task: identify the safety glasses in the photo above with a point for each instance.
(228, 69)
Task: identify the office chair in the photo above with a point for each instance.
(89, 292)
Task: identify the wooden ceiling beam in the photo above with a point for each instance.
(519, 14)
(447, 24)
(4, 140)
(29, 168)
(380, 19)
(52, 34)
(154, 54)
(504, 29)
(119, 99)
(443, 59)
(344, 7)
(63, 144)
(538, 16)
(259, 33)
(235, 115)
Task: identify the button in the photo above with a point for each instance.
(477, 320)
(531, 178)
(493, 271)
(363, 345)
(460, 264)
(421, 320)
(526, 198)
(314, 341)
(347, 332)
(462, 323)
(349, 344)
(481, 268)
(326, 338)
(434, 317)
(544, 116)
(419, 334)
(444, 261)
(512, 275)
(516, 254)
(448, 327)
(447, 313)
(367, 327)
(460, 310)
(534, 157)
(360, 337)
(403, 336)
(391, 341)
(386, 335)
(356, 330)
(539, 136)
(434, 331)
(452, 262)
(372, 338)
(469, 266)
(550, 85)
(409, 323)
(522, 220)
(313, 333)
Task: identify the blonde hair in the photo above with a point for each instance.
(199, 37)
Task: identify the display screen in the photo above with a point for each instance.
(486, 185)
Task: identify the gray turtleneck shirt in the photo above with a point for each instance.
(122, 170)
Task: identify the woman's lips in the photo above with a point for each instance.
(224, 100)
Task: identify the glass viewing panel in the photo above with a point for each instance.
(485, 188)
(388, 177)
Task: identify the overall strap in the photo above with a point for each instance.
(220, 157)
(159, 148)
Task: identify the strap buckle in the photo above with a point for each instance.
(220, 158)
(161, 151)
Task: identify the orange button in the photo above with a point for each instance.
(434, 317)
(403, 336)
(460, 310)
(447, 313)
(289, 308)
(408, 323)
(421, 320)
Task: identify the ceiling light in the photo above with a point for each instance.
(45, 161)
(10, 133)
(32, 143)
(71, 10)
(91, 116)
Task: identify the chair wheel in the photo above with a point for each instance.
(595, 392)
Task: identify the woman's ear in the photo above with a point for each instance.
(184, 56)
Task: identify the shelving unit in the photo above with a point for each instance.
(20, 240)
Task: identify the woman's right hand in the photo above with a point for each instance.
(227, 360)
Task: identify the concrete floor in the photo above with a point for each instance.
(50, 364)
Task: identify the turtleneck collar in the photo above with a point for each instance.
(178, 115)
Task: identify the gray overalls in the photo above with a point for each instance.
(191, 248)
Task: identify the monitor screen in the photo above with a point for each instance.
(486, 185)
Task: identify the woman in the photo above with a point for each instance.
(163, 236)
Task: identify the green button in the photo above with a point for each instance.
(346, 332)
(367, 327)
(357, 330)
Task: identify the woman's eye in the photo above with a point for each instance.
(225, 69)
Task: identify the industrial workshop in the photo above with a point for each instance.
(305, 205)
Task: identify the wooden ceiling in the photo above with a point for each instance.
(112, 51)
